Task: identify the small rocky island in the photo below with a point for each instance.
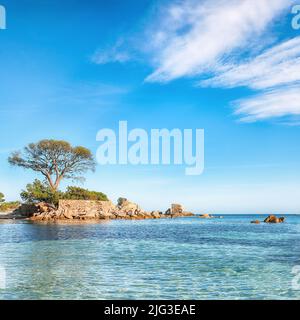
(270, 219)
(82, 210)
(56, 160)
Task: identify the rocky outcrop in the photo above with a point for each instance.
(270, 219)
(95, 210)
(156, 214)
(127, 207)
(76, 210)
(274, 219)
(27, 210)
(185, 214)
(177, 210)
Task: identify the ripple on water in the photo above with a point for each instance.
(154, 259)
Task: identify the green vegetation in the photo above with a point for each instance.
(7, 206)
(55, 160)
(40, 192)
(76, 193)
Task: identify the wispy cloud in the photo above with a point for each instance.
(232, 50)
(115, 53)
(192, 39)
(225, 44)
(277, 66)
(276, 103)
(277, 73)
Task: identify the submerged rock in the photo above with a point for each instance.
(206, 216)
(255, 221)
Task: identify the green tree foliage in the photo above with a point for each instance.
(76, 193)
(1, 197)
(55, 160)
(40, 192)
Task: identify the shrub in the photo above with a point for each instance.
(9, 206)
(76, 193)
(40, 192)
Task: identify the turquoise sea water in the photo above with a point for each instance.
(184, 258)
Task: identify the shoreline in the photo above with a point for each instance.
(90, 210)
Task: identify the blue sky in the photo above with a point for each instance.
(230, 67)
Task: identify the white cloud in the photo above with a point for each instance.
(116, 53)
(216, 40)
(276, 103)
(277, 66)
(197, 37)
(227, 42)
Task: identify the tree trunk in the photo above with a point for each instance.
(53, 186)
(57, 182)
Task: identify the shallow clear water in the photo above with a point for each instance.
(185, 258)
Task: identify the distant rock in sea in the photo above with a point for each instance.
(177, 210)
(274, 219)
(270, 219)
(206, 216)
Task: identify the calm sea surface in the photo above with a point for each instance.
(185, 258)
